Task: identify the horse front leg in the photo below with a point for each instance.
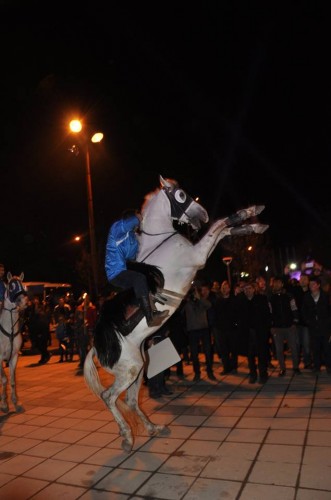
(12, 367)
(222, 228)
(4, 402)
(132, 400)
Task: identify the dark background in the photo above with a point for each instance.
(231, 100)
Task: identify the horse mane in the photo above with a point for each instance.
(148, 197)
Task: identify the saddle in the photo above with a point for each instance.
(123, 309)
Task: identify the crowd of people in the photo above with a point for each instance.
(263, 320)
(73, 323)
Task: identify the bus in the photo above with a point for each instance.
(48, 292)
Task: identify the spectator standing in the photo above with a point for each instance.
(195, 310)
(255, 322)
(304, 347)
(284, 317)
(325, 277)
(226, 331)
(61, 309)
(62, 332)
(264, 288)
(207, 294)
(84, 324)
(178, 336)
(316, 312)
(38, 325)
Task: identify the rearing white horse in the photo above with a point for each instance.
(119, 350)
(10, 336)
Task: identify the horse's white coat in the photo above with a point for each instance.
(179, 260)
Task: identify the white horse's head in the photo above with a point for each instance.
(16, 291)
(183, 208)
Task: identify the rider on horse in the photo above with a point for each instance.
(122, 246)
(2, 285)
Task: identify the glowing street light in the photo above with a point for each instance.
(76, 127)
(227, 261)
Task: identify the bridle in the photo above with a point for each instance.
(15, 288)
(178, 209)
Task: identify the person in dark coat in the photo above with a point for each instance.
(38, 326)
(226, 328)
(255, 323)
(284, 317)
(316, 312)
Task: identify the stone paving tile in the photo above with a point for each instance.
(320, 424)
(166, 486)
(188, 465)
(211, 433)
(141, 460)
(280, 453)
(85, 475)
(199, 448)
(210, 489)
(243, 450)
(315, 455)
(306, 494)
(22, 488)
(270, 492)
(123, 481)
(230, 468)
(286, 437)
(319, 438)
(50, 470)
(58, 491)
(247, 435)
(282, 474)
(93, 494)
(316, 476)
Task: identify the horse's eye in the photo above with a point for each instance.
(180, 196)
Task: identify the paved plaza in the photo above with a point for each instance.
(229, 439)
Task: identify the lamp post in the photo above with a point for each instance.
(76, 127)
(227, 261)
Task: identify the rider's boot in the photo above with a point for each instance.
(153, 317)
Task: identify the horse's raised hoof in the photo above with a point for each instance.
(127, 446)
(259, 228)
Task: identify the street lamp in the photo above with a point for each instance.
(227, 261)
(76, 127)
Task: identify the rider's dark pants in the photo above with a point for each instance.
(132, 279)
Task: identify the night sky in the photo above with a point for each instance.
(233, 102)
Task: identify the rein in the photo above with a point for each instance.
(160, 244)
(11, 335)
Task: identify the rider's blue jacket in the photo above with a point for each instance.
(122, 245)
(2, 290)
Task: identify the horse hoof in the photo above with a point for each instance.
(160, 430)
(126, 446)
(4, 409)
(19, 409)
(164, 431)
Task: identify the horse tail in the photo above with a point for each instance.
(106, 340)
(91, 374)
